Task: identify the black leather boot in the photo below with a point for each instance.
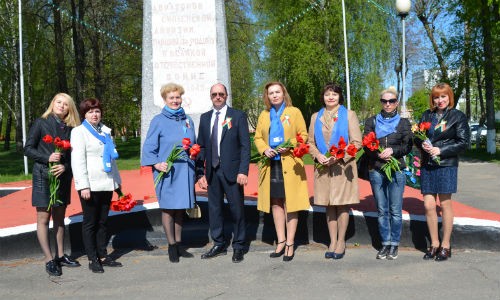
(173, 253)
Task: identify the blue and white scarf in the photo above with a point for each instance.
(109, 153)
(341, 128)
(386, 126)
(276, 130)
(178, 114)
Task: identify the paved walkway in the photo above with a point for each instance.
(149, 275)
(479, 185)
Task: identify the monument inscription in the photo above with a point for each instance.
(183, 42)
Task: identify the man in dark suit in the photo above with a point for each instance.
(222, 167)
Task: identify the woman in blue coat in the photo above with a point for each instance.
(175, 188)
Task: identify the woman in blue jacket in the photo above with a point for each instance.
(175, 188)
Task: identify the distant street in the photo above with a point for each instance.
(478, 185)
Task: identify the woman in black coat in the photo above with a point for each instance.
(448, 136)
(394, 134)
(57, 122)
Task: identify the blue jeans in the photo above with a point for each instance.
(389, 198)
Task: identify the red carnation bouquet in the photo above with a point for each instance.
(371, 142)
(338, 152)
(124, 202)
(60, 146)
(420, 131)
(178, 152)
(299, 150)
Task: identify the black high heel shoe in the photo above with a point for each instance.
(278, 254)
(431, 253)
(443, 254)
(287, 257)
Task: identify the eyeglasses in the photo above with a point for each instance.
(391, 101)
(213, 95)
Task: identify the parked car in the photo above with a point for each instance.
(474, 128)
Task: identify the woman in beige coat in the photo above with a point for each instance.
(282, 181)
(336, 181)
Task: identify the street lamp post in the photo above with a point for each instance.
(403, 8)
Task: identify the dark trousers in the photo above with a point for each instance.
(95, 215)
(217, 187)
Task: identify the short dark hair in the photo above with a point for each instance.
(332, 87)
(88, 104)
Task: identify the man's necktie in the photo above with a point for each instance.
(215, 142)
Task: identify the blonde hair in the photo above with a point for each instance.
(390, 90)
(72, 118)
(438, 89)
(286, 96)
(171, 87)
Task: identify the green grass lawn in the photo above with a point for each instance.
(482, 155)
(130, 153)
(13, 163)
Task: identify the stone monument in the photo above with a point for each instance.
(184, 41)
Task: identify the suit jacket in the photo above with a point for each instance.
(234, 147)
(88, 168)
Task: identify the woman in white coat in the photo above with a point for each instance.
(96, 177)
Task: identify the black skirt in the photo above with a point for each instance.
(277, 182)
(40, 194)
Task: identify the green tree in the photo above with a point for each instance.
(418, 103)
(241, 32)
(307, 50)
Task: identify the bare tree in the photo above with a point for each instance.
(427, 12)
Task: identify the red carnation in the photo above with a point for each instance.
(337, 152)
(47, 139)
(370, 141)
(185, 143)
(342, 143)
(194, 151)
(299, 138)
(301, 150)
(424, 126)
(352, 150)
(65, 145)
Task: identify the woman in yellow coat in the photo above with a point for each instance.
(282, 181)
(336, 182)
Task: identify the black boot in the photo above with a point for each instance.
(173, 253)
(182, 252)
